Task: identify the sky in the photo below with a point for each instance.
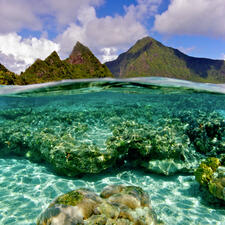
(31, 29)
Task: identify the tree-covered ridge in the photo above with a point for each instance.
(54, 69)
(7, 77)
(3, 69)
(81, 64)
(149, 57)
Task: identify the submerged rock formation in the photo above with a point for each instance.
(163, 131)
(116, 205)
(67, 140)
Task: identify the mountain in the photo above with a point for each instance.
(149, 57)
(81, 64)
(3, 69)
(6, 77)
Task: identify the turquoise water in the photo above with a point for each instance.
(90, 113)
(27, 189)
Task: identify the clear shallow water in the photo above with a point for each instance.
(27, 188)
(91, 112)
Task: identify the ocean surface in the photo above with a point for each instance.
(96, 107)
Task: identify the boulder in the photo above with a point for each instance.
(116, 205)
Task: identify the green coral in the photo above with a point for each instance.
(72, 198)
(211, 175)
(204, 172)
(143, 144)
(205, 131)
(217, 187)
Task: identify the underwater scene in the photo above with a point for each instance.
(163, 135)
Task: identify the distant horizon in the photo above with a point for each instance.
(33, 29)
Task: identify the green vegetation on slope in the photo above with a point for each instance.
(149, 57)
(81, 64)
(7, 77)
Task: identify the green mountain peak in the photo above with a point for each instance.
(149, 57)
(81, 64)
(82, 55)
(142, 43)
(146, 58)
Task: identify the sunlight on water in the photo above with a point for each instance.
(27, 188)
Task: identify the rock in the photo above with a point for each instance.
(169, 167)
(121, 205)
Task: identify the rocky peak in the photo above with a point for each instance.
(80, 54)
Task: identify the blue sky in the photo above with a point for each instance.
(32, 29)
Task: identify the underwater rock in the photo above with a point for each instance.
(71, 158)
(117, 205)
(169, 166)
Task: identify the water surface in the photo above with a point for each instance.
(98, 107)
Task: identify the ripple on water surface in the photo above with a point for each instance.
(26, 189)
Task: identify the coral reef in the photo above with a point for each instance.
(121, 205)
(86, 133)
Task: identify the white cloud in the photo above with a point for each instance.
(108, 34)
(33, 14)
(17, 14)
(99, 33)
(144, 9)
(76, 20)
(108, 54)
(66, 11)
(10, 62)
(17, 53)
(192, 17)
